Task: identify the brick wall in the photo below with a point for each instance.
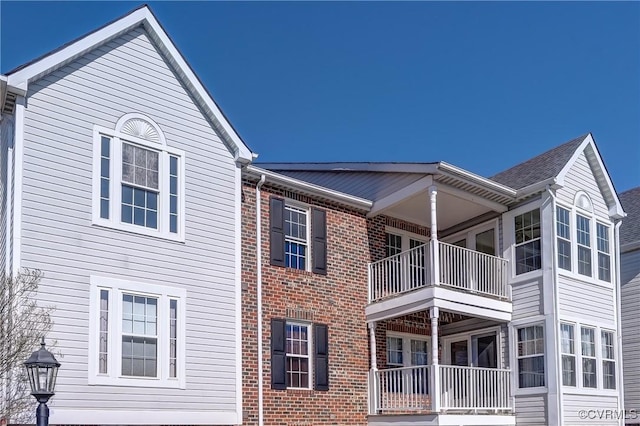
(337, 299)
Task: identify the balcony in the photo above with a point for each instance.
(461, 280)
(460, 389)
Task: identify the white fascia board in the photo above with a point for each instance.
(295, 184)
(451, 170)
(422, 168)
(143, 16)
(243, 155)
(401, 195)
(47, 64)
(615, 207)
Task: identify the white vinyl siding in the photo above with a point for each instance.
(580, 177)
(630, 301)
(531, 410)
(527, 299)
(586, 302)
(129, 75)
(596, 407)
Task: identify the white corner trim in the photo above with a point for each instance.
(18, 153)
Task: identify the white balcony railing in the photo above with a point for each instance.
(474, 271)
(472, 388)
(402, 389)
(459, 267)
(410, 389)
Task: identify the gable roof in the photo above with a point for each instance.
(630, 229)
(540, 168)
(19, 78)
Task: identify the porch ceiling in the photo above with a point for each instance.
(451, 209)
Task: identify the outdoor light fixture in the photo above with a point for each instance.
(42, 369)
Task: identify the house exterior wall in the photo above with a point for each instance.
(129, 75)
(336, 299)
(630, 295)
(6, 161)
(587, 301)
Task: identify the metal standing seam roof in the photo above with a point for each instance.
(368, 185)
(542, 167)
(630, 228)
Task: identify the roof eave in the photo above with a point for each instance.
(450, 169)
(309, 188)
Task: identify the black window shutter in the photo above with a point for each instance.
(319, 240)
(278, 354)
(276, 231)
(321, 333)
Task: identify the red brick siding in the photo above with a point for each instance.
(337, 299)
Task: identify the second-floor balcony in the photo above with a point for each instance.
(457, 267)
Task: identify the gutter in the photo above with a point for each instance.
(537, 187)
(309, 188)
(261, 182)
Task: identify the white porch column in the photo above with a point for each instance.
(372, 343)
(434, 314)
(433, 243)
(373, 383)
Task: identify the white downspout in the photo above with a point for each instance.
(261, 182)
(556, 308)
(618, 294)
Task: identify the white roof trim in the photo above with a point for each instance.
(315, 190)
(615, 207)
(142, 16)
(451, 170)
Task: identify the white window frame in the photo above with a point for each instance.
(406, 347)
(583, 206)
(114, 221)
(579, 245)
(562, 238)
(310, 353)
(470, 235)
(593, 358)
(512, 226)
(570, 354)
(518, 356)
(605, 359)
(607, 253)
(113, 377)
(469, 336)
(289, 204)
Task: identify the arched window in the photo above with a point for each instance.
(138, 179)
(578, 231)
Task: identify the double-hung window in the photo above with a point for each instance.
(531, 356)
(589, 374)
(604, 257)
(137, 334)
(298, 236)
(608, 360)
(567, 347)
(296, 244)
(563, 229)
(583, 234)
(299, 355)
(527, 232)
(138, 179)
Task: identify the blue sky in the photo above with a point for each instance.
(481, 85)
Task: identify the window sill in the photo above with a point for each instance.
(527, 276)
(574, 390)
(139, 230)
(137, 382)
(300, 391)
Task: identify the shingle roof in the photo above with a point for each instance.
(542, 167)
(630, 229)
